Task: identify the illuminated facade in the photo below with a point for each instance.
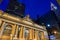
(15, 28)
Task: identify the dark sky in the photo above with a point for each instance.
(33, 7)
(36, 7)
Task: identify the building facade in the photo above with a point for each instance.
(15, 8)
(14, 28)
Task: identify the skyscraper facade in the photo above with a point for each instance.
(15, 8)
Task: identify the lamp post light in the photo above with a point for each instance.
(55, 32)
(48, 25)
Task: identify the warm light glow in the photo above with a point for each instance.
(55, 32)
(48, 25)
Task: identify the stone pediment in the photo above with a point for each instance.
(27, 18)
(17, 20)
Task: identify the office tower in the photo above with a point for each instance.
(15, 8)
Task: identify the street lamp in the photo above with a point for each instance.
(48, 25)
(55, 32)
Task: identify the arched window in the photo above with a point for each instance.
(26, 33)
(7, 30)
(19, 28)
(39, 35)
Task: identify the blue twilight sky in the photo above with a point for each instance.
(33, 7)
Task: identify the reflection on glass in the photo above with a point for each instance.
(7, 30)
(26, 33)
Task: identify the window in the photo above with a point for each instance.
(7, 30)
(19, 28)
(39, 36)
(26, 34)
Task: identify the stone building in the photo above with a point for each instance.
(15, 28)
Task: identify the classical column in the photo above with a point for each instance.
(13, 31)
(36, 35)
(42, 36)
(30, 34)
(0, 23)
(2, 28)
(21, 35)
(16, 32)
(33, 34)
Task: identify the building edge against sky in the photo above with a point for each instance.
(33, 7)
(10, 24)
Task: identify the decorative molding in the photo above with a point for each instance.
(27, 18)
